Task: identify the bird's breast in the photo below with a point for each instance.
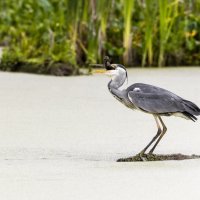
(126, 102)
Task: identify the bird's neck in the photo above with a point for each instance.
(117, 81)
(114, 86)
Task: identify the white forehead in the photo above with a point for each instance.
(120, 70)
(118, 73)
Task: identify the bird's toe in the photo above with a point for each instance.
(142, 156)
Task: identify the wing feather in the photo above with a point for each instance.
(155, 100)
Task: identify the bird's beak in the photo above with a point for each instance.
(97, 65)
(99, 71)
(111, 73)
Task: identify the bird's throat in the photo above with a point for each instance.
(115, 89)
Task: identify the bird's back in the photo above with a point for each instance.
(147, 88)
(157, 100)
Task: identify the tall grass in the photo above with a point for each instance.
(168, 11)
(76, 33)
(150, 9)
(103, 17)
(127, 34)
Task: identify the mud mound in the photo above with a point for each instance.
(159, 157)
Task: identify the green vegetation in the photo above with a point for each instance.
(59, 36)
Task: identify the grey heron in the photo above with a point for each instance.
(148, 99)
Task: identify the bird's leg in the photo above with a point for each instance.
(153, 139)
(163, 132)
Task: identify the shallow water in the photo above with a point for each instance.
(60, 138)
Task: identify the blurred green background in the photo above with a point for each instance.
(61, 36)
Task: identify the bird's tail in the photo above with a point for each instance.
(190, 116)
(191, 110)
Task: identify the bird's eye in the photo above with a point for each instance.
(110, 67)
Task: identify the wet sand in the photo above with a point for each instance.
(60, 139)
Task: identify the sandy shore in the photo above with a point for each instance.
(60, 138)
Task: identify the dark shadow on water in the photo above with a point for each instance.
(159, 157)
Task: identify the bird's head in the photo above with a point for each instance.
(112, 70)
(116, 70)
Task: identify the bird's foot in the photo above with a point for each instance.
(142, 156)
(153, 157)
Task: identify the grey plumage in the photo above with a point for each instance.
(149, 99)
(156, 100)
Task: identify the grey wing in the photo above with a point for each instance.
(156, 103)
